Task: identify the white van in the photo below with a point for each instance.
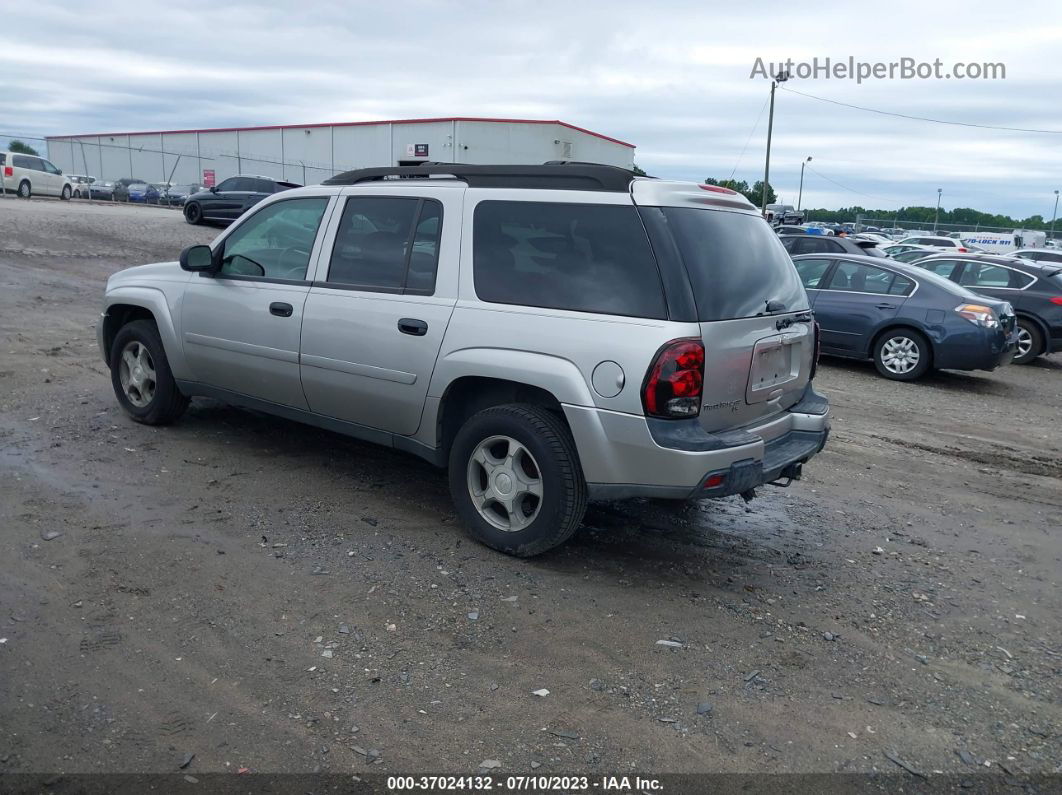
(1005, 242)
(27, 175)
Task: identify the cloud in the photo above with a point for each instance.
(671, 77)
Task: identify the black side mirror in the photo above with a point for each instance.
(198, 259)
(213, 188)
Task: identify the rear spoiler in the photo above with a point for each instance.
(866, 243)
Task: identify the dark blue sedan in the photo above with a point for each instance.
(908, 320)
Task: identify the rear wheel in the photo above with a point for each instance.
(24, 189)
(902, 355)
(1030, 341)
(515, 479)
(193, 213)
(141, 376)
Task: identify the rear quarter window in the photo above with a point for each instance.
(577, 257)
(735, 262)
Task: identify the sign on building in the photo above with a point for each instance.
(416, 150)
(208, 178)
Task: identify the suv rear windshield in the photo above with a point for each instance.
(578, 257)
(735, 262)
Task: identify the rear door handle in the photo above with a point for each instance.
(280, 309)
(410, 325)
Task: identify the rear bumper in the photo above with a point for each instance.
(625, 455)
(986, 349)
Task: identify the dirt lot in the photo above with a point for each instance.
(270, 596)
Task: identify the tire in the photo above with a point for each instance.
(24, 189)
(65, 195)
(537, 442)
(1030, 340)
(193, 213)
(894, 351)
(155, 400)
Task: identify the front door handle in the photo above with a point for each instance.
(410, 325)
(280, 309)
(885, 306)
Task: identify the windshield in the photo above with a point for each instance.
(735, 262)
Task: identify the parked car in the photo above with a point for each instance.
(788, 229)
(551, 334)
(102, 190)
(820, 244)
(26, 175)
(135, 190)
(81, 184)
(909, 253)
(231, 199)
(1034, 289)
(941, 243)
(1042, 255)
(176, 194)
(908, 321)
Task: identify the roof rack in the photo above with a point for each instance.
(554, 175)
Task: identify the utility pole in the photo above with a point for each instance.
(937, 216)
(1054, 215)
(781, 78)
(800, 194)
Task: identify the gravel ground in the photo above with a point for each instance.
(266, 595)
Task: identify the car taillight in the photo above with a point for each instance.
(675, 380)
(818, 351)
(978, 315)
(718, 189)
(962, 250)
(1056, 299)
(9, 171)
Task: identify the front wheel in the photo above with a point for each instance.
(141, 376)
(902, 355)
(65, 195)
(516, 480)
(193, 213)
(1030, 341)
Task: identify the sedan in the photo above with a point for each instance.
(176, 194)
(818, 244)
(129, 189)
(1034, 289)
(231, 199)
(907, 320)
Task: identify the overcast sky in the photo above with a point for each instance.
(670, 77)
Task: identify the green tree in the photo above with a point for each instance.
(638, 170)
(755, 195)
(23, 149)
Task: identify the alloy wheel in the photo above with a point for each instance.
(900, 355)
(137, 374)
(505, 483)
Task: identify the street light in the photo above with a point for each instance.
(781, 78)
(800, 195)
(1054, 215)
(937, 216)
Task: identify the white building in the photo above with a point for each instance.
(310, 153)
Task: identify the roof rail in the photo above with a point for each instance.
(550, 176)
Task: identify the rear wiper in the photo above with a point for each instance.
(773, 306)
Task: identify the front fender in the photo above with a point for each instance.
(164, 308)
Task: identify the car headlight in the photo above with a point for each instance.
(978, 315)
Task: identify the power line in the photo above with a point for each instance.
(921, 118)
(752, 132)
(853, 190)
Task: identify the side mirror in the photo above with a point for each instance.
(197, 259)
(213, 188)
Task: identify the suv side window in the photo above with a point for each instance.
(24, 161)
(576, 257)
(260, 186)
(275, 242)
(229, 184)
(856, 278)
(811, 271)
(387, 244)
(818, 245)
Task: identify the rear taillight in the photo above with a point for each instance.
(1056, 299)
(962, 250)
(818, 351)
(9, 171)
(675, 380)
(718, 189)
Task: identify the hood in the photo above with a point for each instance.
(147, 275)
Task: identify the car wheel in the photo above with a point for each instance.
(65, 195)
(141, 376)
(516, 480)
(24, 190)
(1030, 341)
(193, 213)
(902, 355)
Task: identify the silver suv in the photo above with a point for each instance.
(550, 334)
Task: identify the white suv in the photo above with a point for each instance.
(30, 174)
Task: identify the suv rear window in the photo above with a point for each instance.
(578, 257)
(735, 262)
